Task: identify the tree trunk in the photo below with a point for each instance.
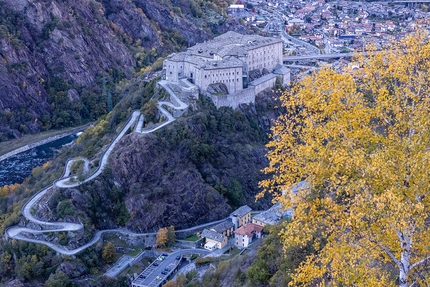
(405, 242)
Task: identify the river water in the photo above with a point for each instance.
(16, 168)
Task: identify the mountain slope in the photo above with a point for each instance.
(55, 56)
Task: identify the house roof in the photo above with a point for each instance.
(248, 229)
(213, 235)
(273, 214)
(241, 211)
(281, 70)
(223, 226)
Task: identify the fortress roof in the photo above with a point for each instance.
(205, 63)
(231, 44)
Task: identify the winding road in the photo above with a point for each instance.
(68, 181)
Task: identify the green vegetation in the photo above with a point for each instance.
(204, 138)
(193, 238)
(121, 244)
(274, 265)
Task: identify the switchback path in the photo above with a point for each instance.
(67, 181)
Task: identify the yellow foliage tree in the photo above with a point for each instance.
(162, 237)
(109, 252)
(361, 139)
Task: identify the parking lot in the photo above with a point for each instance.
(159, 271)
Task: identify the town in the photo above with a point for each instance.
(336, 26)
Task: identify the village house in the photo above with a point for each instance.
(213, 239)
(226, 228)
(241, 216)
(244, 235)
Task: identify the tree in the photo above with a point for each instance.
(109, 252)
(162, 237)
(361, 141)
(150, 111)
(171, 235)
(59, 279)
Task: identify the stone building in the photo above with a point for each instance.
(241, 216)
(272, 216)
(226, 228)
(221, 67)
(213, 239)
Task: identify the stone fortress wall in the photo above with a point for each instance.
(234, 100)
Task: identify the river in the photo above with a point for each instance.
(18, 167)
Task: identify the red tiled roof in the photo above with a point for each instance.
(248, 229)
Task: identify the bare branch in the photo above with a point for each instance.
(389, 253)
(422, 261)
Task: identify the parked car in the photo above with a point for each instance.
(155, 263)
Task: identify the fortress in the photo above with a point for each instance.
(231, 69)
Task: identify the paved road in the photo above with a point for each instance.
(66, 183)
(120, 265)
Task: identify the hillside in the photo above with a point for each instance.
(196, 170)
(59, 60)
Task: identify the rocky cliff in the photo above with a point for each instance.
(55, 55)
(195, 170)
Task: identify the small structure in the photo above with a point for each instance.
(226, 228)
(241, 216)
(235, 9)
(213, 239)
(245, 234)
(272, 216)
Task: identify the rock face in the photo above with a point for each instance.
(218, 89)
(164, 190)
(53, 53)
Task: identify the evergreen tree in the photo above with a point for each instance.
(171, 235)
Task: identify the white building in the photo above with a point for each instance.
(244, 235)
